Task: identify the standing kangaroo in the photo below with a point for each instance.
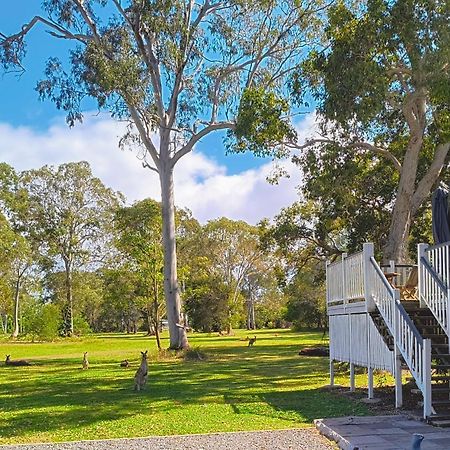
(16, 363)
(141, 374)
(85, 361)
(251, 341)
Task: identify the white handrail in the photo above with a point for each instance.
(438, 257)
(415, 350)
(345, 280)
(434, 279)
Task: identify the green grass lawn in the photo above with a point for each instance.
(267, 386)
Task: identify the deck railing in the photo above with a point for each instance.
(415, 350)
(434, 278)
(345, 280)
(403, 271)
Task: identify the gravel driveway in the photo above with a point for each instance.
(298, 439)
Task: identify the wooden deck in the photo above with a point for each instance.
(393, 316)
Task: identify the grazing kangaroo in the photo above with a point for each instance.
(125, 363)
(85, 361)
(141, 374)
(251, 341)
(16, 363)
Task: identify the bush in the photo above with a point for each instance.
(43, 322)
(81, 326)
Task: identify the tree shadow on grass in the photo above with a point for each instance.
(58, 394)
(302, 406)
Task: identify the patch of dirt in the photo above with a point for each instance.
(386, 399)
(314, 351)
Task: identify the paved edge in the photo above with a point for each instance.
(330, 434)
(124, 439)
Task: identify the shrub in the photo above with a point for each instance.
(43, 322)
(81, 326)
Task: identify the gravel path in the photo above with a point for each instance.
(298, 439)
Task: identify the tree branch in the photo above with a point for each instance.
(358, 145)
(196, 137)
(36, 19)
(426, 183)
(144, 136)
(88, 20)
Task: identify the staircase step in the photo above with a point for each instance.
(443, 423)
(440, 366)
(431, 336)
(440, 378)
(437, 390)
(440, 402)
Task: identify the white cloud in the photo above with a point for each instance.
(201, 184)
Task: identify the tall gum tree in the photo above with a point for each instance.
(383, 87)
(70, 213)
(16, 246)
(177, 70)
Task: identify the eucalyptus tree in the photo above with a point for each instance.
(70, 213)
(383, 88)
(18, 252)
(232, 248)
(177, 70)
(139, 237)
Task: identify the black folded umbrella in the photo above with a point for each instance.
(440, 216)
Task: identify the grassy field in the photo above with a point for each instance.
(267, 386)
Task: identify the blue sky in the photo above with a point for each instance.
(34, 133)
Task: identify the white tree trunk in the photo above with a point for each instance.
(15, 332)
(178, 336)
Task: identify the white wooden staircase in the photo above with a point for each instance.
(372, 326)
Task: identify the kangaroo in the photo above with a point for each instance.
(85, 361)
(16, 363)
(125, 363)
(251, 341)
(141, 374)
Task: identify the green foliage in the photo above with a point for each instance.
(356, 78)
(139, 237)
(42, 321)
(72, 225)
(206, 302)
(379, 82)
(81, 326)
(119, 310)
(262, 124)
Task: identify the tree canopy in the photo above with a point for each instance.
(382, 86)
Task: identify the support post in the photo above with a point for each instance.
(398, 381)
(331, 372)
(369, 360)
(352, 377)
(370, 383)
(397, 355)
(368, 252)
(350, 355)
(421, 253)
(426, 358)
